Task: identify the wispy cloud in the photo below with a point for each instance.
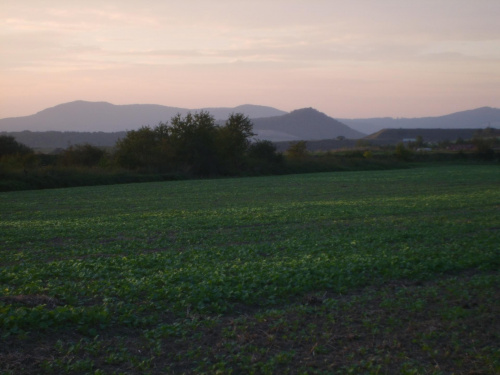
(391, 42)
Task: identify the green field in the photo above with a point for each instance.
(354, 272)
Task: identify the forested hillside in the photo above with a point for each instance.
(51, 140)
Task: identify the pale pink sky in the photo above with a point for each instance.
(349, 59)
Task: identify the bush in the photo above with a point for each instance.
(9, 146)
(402, 152)
(484, 148)
(263, 157)
(18, 162)
(297, 150)
(82, 155)
(368, 154)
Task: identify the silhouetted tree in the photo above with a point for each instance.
(402, 152)
(142, 148)
(263, 157)
(232, 142)
(297, 150)
(15, 155)
(484, 148)
(193, 141)
(84, 155)
(9, 146)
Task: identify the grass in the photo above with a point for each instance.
(355, 272)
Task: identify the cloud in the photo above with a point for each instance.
(316, 32)
(281, 50)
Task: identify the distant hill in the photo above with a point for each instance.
(48, 141)
(392, 137)
(250, 110)
(276, 125)
(428, 135)
(479, 118)
(85, 116)
(302, 124)
(101, 124)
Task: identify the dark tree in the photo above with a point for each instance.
(193, 142)
(141, 148)
(84, 155)
(264, 158)
(9, 146)
(297, 150)
(233, 140)
(402, 152)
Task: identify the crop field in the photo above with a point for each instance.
(381, 272)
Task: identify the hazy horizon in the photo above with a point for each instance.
(245, 104)
(356, 59)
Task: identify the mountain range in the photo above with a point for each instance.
(478, 118)
(269, 123)
(102, 123)
(106, 117)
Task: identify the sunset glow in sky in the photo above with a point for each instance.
(349, 59)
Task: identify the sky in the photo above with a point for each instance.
(348, 59)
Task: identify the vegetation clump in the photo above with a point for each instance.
(196, 146)
(9, 146)
(193, 144)
(188, 147)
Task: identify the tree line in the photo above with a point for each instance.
(196, 146)
(193, 145)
